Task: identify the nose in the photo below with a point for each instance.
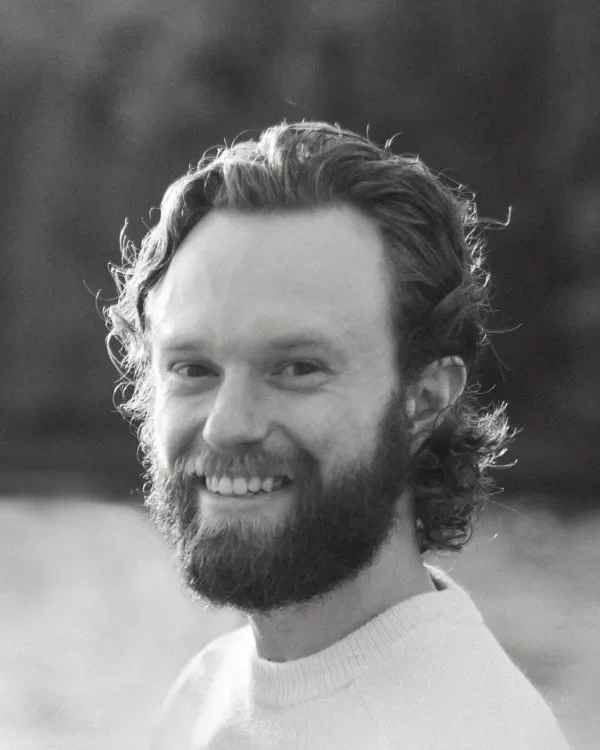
(236, 419)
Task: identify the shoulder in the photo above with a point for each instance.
(204, 665)
(186, 696)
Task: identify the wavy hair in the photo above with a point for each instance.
(434, 253)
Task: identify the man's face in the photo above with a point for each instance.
(272, 357)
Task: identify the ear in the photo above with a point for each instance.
(439, 386)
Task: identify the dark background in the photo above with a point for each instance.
(104, 104)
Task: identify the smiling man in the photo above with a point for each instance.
(300, 329)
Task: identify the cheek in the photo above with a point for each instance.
(173, 432)
(333, 436)
(354, 433)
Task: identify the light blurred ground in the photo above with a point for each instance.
(94, 625)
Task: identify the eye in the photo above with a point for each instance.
(193, 371)
(300, 368)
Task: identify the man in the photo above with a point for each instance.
(300, 329)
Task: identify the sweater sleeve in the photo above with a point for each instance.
(179, 711)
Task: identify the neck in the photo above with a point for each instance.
(397, 574)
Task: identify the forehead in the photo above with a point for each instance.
(246, 276)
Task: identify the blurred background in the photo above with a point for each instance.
(103, 105)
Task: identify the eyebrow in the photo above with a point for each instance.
(279, 343)
(283, 343)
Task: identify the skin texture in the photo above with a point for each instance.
(238, 390)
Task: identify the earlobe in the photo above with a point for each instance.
(440, 386)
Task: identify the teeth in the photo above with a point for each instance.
(225, 486)
(242, 486)
(254, 484)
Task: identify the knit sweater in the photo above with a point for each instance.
(425, 674)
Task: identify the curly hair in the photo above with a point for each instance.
(434, 253)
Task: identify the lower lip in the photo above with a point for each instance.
(242, 502)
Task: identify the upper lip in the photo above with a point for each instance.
(261, 475)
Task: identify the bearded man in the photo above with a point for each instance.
(300, 329)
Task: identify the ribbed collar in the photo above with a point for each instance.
(275, 683)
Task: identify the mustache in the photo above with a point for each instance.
(208, 462)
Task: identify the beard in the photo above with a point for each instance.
(333, 531)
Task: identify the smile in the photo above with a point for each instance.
(228, 486)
